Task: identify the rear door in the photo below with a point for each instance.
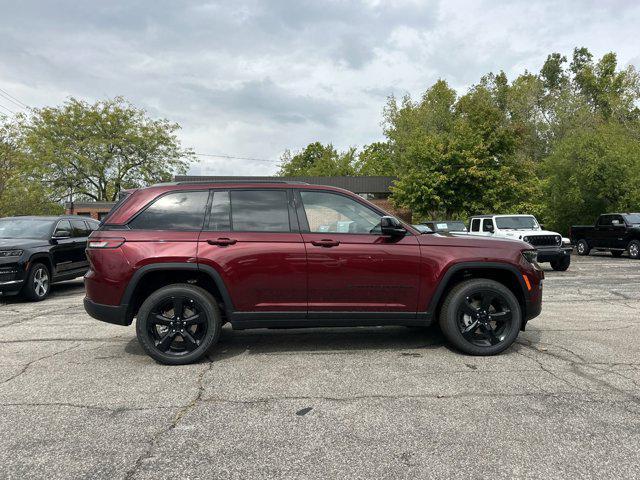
(351, 266)
(80, 234)
(252, 241)
(603, 232)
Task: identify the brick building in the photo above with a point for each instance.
(373, 188)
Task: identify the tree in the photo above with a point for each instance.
(592, 171)
(20, 194)
(318, 159)
(92, 151)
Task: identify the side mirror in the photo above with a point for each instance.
(61, 235)
(541, 226)
(391, 226)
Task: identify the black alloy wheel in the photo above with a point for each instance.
(481, 317)
(178, 323)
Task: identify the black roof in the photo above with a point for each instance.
(356, 184)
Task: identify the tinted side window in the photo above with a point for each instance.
(63, 229)
(79, 228)
(605, 220)
(220, 218)
(92, 226)
(174, 211)
(330, 212)
(475, 225)
(259, 211)
(486, 225)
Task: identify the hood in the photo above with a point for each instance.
(22, 243)
(527, 233)
(465, 240)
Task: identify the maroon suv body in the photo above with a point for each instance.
(185, 258)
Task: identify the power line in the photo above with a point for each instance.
(7, 109)
(13, 99)
(237, 158)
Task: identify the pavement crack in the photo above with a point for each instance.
(27, 365)
(174, 423)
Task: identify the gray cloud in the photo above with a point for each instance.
(251, 78)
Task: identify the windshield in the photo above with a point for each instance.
(25, 228)
(452, 226)
(632, 218)
(516, 223)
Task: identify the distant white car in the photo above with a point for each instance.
(551, 246)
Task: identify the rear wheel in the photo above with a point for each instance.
(38, 283)
(582, 247)
(561, 264)
(481, 317)
(177, 324)
(634, 249)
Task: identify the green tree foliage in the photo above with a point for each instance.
(92, 151)
(318, 159)
(20, 193)
(561, 144)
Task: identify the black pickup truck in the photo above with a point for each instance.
(614, 232)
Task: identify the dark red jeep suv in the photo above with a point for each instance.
(185, 258)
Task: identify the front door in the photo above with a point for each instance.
(351, 266)
(252, 241)
(63, 250)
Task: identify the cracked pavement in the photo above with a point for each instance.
(80, 399)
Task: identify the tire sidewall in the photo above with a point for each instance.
(448, 316)
(29, 290)
(208, 304)
(585, 249)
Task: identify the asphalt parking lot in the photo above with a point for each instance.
(80, 399)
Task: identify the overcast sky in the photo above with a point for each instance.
(253, 78)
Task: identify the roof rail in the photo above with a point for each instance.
(196, 182)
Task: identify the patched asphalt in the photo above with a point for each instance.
(80, 399)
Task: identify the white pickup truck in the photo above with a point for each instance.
(551, 246)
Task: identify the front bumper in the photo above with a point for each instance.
(12, 276)
(11, 287)
(116, 314)
(548, 254)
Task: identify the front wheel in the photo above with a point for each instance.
(634, 249)
(561, 264)
(38, 282)
(177, 324)
(481, 317)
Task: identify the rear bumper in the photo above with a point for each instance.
(116, 314)
(554, 253)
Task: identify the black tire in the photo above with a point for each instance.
(561, 264)
(634, 249)
(582, 247)
(503, 317)
(617, 253)
(187, 335)
(38, 283)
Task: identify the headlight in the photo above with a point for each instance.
(525, 239)
(558, 240)
(530, 256)
(11, 253)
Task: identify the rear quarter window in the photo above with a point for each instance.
(173, 211)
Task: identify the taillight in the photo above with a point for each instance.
(105, 243)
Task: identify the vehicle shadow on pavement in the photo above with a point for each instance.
(63, 289)
(333, 341)
(341, 341)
